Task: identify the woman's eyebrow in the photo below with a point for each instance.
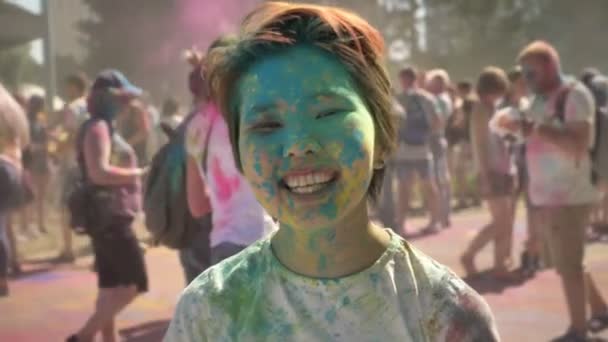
(263, 108)
(331, 94)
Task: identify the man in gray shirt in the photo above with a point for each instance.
(419, 121)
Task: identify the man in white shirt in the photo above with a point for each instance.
(559, 136)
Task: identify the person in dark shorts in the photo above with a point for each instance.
(109, 168)
(14, 136)
(496, 175)
(37, 159)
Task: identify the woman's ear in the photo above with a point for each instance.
(379, 157)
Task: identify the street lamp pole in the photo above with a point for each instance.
(49, 55)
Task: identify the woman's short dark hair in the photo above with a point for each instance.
(275, 26)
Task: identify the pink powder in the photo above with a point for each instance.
(226, 185)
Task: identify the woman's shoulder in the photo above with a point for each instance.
(453, 310)
(215, 297)
(227, 278)
(426, 270)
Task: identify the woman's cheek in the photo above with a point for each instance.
(258, 169)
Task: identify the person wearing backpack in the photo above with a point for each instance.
(418, 122)
(215, 184)
(112, 191)
(559, 135)
(597, 83)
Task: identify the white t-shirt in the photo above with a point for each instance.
(403, 296)
(557, 178)
(237, 216)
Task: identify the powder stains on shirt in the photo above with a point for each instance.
(403, 296)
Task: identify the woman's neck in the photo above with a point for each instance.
(345, 248)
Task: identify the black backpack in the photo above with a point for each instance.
(168, 218)
(599, 151)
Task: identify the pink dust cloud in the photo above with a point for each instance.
(198, 23)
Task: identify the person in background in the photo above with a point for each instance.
(196, 258)
(462, 162)
(597, 83)
(214, 182)
(170, 118)
(134, 124)
(516, 101)
(109, 167)
(559, 131)
(414, 156)
(74, 114)
(496, 176)
(438, 82)
(14, 137)
(38, 163)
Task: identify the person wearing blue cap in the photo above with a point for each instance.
(109, 169)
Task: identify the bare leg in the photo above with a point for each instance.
(596, 301)
(574, 288)
(405, 191)
(109, 303)
(431, 192)
(12, 245)
(483, 237)
(3, 255)
(108, 332)
(501, 211)
(41, 183)
(66, 231)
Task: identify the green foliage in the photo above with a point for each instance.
(17, 66)
(463, 36)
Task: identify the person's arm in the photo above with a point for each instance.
(574, 137)
(97, 150)
(195, 143)
(198, 202)
(480, 138)
(143, 124)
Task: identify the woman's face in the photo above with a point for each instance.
(306, 138)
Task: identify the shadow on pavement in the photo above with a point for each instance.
(146, 332)
(484, 282)
(30, 272)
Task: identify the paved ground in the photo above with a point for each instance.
(51, 301)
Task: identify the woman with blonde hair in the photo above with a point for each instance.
(14, 136)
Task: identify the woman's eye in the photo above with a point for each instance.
(328, 112)
(266, 127)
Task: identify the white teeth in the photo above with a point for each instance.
(308, 183)
(310, 179)
(307, 189)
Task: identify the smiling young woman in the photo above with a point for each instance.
(307, 102)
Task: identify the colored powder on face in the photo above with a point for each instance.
(290, 93)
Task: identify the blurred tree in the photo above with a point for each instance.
(146, 38)
(17, 67)
(462, 36)
(128, 35)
